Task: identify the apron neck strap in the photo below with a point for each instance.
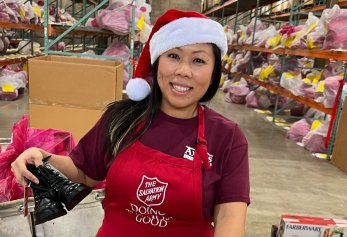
(201, 143)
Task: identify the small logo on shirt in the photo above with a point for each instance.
(189, 154)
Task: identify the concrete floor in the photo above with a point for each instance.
(285, 178)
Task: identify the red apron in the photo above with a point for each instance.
(150, 193)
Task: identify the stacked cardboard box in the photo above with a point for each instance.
(70, 93)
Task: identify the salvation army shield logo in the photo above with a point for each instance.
(151, 191)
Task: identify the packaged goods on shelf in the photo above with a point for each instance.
(11, 82)
(25, 48)
(303, 226)
(70, 93)
(300, 39)
(240, 62)
(116, 18)
(336, 22)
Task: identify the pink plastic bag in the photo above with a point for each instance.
(251, 100)
(298, 130)
(315, 143)
(51, 140)
(331, 87)
(336, 21)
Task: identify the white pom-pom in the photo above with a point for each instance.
(137, 89)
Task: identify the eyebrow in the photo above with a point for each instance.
(196, 51)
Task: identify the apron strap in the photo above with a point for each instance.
(201, 143)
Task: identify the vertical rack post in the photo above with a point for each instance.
(45, 26)
(130, 64)
(255, 20)
(337, 118)
(237, 12)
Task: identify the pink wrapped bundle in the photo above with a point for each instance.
(331, 87)
(230, 98)
(91, 22)
(237, 94)
(60, 46)
(336, 37)
(258, 27)
(239, 90)
(241, 62)
(290, 29)
(307, 90)
(114, 20)
(238, 99)
(298, 130)
(254, 100)
(314, 142)
(10, 189)
(251, 100)
(12, 15)
(333, 69)
(4, 17)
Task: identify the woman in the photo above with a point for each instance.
(172, 166)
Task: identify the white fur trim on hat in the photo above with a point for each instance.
(137, 89)
(186, 31)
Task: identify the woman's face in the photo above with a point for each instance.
(184, 75)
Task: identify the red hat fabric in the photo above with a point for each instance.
(173, 29)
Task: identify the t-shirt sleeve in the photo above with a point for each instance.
(90, 155)
(234, 184)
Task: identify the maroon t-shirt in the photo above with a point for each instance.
(226, 181)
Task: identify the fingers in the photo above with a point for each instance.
(38, 162)
(28, 175)
(22, 173)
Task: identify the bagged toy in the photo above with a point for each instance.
(336, 21)
(314, 141)
(299, 130)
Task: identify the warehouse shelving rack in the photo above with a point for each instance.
(85, 35)
(232, 9)
(76, 29)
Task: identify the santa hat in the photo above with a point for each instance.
(173, 29)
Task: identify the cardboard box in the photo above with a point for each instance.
(78, 121)
(339, 157)
(303, 226)
(70, 93)
(75, 81)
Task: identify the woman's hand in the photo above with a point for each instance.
(30, 156)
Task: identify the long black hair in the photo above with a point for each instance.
(125, 116)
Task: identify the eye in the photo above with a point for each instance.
(173, 55)
(199, 60)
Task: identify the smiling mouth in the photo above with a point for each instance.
(181, 89)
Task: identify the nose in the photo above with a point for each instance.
(184, 70)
